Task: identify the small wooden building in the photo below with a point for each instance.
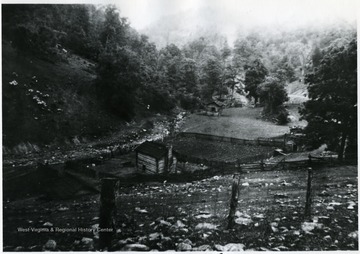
(213, 107)
(152, 157)
(291, 146)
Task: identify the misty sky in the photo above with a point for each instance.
(141, 13)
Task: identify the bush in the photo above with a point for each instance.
(282, 116)
(188, 102)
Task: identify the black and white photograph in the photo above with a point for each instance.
(179, 125)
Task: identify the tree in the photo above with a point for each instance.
(284, 71)
(273, 94)
(254, 76)
(331, 111)
(316, 57)
(213, 77)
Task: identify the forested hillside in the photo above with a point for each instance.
(82, 70)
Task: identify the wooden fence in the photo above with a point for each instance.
(221, 164)
(258, 141)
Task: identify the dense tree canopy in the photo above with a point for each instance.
(331, 111)
(254, 76)
(272, 94)
(133, 75)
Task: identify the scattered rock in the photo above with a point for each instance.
(63, 208)
(203, 216)
(327, 238)
(135, 247)
(351, 205)
(95, 230)
(274, 226)
(50, 245)
(264, 249)
(324, 193)
(307, 227)
(179, 224)
(243, 221)
(296, 232)
(333, 203)
(354, 235)
(183, 247)
(230, 247)
(259, 216)
(205, 225)
(203, 248)
(48, 224)
(284, 183)
(245, 184)
(155, 236)
(137, 209)
(19, 248)
(87, 243)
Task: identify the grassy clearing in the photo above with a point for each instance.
(242, 123)
(271, 202)
(217, 151)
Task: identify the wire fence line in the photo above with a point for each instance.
(210, 137)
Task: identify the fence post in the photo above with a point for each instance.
(308, 194)
(262, 165)
(309, 162)
(107, 212)
(233, 200)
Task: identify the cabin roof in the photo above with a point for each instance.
(152, 149)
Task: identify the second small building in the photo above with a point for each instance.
(153, 157)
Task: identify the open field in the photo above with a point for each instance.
(217, 151)
(164, 215)
(242, 123)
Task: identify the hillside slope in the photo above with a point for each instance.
(49, 101)
(297, 92)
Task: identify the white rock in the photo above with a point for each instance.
(87, 242)
(50, 245)
(62, 209)
(354, 235)
(203, 248)
(48, 224)
(205, 226)
(245, 184)
(327, 238)
(243, 221)
(137, 209)
(259, 216)
(203, 216)
(231, 247)
(183, 247)
(179, 224)
(135, 247)
(296, 232)
(307, 227)
(155, 236)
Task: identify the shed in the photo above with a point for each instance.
(153, 157)
(214, 106)
(291, 146)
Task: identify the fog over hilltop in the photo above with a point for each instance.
(180, 21)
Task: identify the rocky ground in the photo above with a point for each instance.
(192, 216)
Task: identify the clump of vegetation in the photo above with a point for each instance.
(331, 111)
